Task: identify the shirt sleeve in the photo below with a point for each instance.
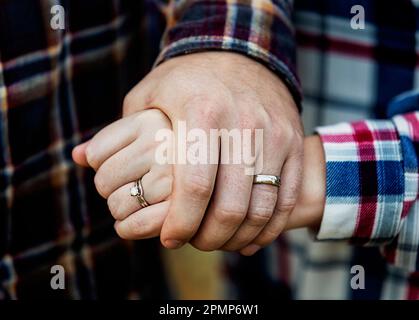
(261, 30)
(372, 186)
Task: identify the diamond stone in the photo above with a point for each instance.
(134, 191)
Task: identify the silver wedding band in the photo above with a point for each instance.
(267, 179)
(138, 192)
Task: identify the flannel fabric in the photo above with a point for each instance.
(371, 213)
(261, 30)
(372, 186)
(57, 88)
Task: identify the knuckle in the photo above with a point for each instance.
(137, 228)
(115, 207)
(207, 109)
(128, 105)
(211, 117)
(262, 207)
(228, 216)
(163, 172)
(285, 205)
(150, 118)
(91, 156)
(148, 148)
(157, 115)
(267, 237)
(259, 215)
(112, 206)
(271, 232)
(278, 135)
(198, 186)
(100, 184)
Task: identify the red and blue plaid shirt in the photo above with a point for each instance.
(371, 216)
(58, 87)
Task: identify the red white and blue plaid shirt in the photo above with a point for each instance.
(371, 216)
(58, 87)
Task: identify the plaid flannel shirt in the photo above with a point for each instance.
(57, 88)
(371, 215)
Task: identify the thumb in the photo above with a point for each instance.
(79, 154)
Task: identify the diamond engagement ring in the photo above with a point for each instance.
(138, 192)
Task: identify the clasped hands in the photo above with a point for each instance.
(215, 205)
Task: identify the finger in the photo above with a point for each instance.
(157, 185)
(129, 164)
(227, 209)
(261, 208)
(193, 185)
(111, 139)
(262, 200)
(79, 154)
(123, 132)
(144, 223)
(291, 175)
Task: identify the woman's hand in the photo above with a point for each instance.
(122, 153)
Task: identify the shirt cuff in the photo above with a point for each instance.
(364, 182)
(263, 34)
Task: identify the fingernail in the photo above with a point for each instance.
(172, 244)
(250, 250)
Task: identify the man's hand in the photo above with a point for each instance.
(219, 90)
